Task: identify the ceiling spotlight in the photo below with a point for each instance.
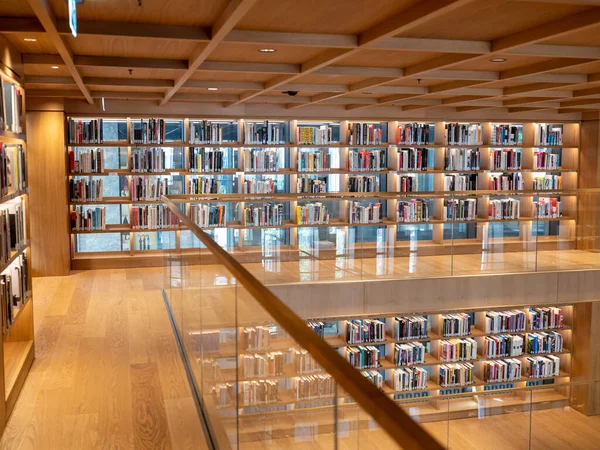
(213, 89)
(266, 50)
(30, 39)
(498, 59)
(54, 67)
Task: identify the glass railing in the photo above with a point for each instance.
(261, 376)
(277, 237)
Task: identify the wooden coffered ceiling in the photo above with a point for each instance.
(354, 54)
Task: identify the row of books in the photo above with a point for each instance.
(205, 185)
(545, 318)
(223, 394)
(362, 357)
(205, 160)
(415, 210)
(269, 364)
(307, 185)
(85, 132)
(147, 131)
(317, 326)
(148, 188)
(365, 331)
(259, 392)
(460, 182)
(312, 214)
(407, 354)
(505, 321)
(504, 209)
(506, 182)
(307, 135)
(148, 160)
(544, 342)
(86, 161)
(13, 228)
(365, 134)
(206, 132)
(364, 160)
(412, 327)
(363, 183)
(547, 208)
(546, 160)
(505, 159)
(462, 159)
(454, 350)
(358, 213)
(259, 187)
(458, 324)
(460, 209)
(304, 363)
(408, 183)
(502, 370)
(548, 134)
(503, 345)
(14, 288)
(265, 132)
(505, 134)
(88, 219)
(263, 160)
(459, 374)
(255, 338)
(151, 217)
(264, 215)
(413, 159)
(547, 182)
(413, 133)
(208, 215)
(310, 387)
(85, 190)
(13, 174)
(408, 379)
(542, 366)
(374, 377)
(464, 133)
(315, 161)
(11, 107)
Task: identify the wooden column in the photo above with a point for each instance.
(585, 362)
(48, 188)
(588, 208)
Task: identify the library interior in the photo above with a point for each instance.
(326, 224)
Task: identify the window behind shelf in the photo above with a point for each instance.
(114, 130)
(102, 242)
(258, 237)
(460, 231)
(546, 228)
(503, 230)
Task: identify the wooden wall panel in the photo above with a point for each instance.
(48, 189)
(585, 363)
(588, 211)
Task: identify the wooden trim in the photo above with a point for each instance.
(400, 427)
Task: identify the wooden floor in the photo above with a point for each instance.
(107, 372)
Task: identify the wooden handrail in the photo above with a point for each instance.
(397, 423)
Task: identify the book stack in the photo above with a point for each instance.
(311, 387)
(259, 392)
(84, 190)
(412, 159)
(263, 215)
(408, 183)
(88, 219)
(504, 209)
(264, 132)
(545, 160)
(205, 159)
(547, 208)
(211, 370)
(460, 209)
(204, 185)
(86, 161)
(545, 318)
(547, 182)
(208, 341)
(408, 379)
(206, 132)
(314, 161)
(364, 134)
(312, 214)
(152, 217)
(256, 366)
(363, 183)
(505, 159)
(307, 135)
(147, 131)
(305, 185)
(505, 321)
(548, 134)
(506, 182)
(505, 134)
(453, 350)
(375, 377)
(208, 215)
(414, 327)
(11, 107)
(261, 160)
(259, 187)
(13, 290)
(365, 160)
(371, 213)
(148, 160)
(12, 168)
(408, 354)
(543, 342)
(256, 338)
(304, 363)
(416, 210)
(543, 366)
(413, 133)
(317, 326)
(503, 345)
(458, 324)
(461, 374)
(462, 159)
(81, 132)
(148, 188)
(502, 370)
(464, 134)
(362, 357)
(460, 182)
(365, 331)
(12, 229)
(223, 394)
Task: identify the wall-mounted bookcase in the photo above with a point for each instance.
(16, 298)
(468, 184)
(415, 359)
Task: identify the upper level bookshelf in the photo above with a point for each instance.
(453, 181)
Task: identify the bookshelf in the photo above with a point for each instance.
(272, 359)
(16, 297)
(458, 183)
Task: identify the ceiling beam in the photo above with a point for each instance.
(559, 51)
(233, 13)
(533, 87)
(293, 39)
(545, 66)
(433, 45)
(46, 17)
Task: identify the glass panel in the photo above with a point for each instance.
(102, 242)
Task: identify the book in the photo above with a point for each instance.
(460, 209)
(313, 160)
(363, 183)
(265, 132)
(207, 132)
(412, 327)
(359, 213)
(547, 208)
(366, 160)
(453, 350)
(504, 321)
(407, 354)
(255, 338)
(464, 133)
(255, 366)
(318, 134)
(547, 182)
(310, 387)
(503, 345)
(203, 185)
(151, 217)
(11, 102)
(505, 159)
(506, 134)
(261, 160)
(85, 190)
(267, 214)
(542, 366)
(14, 290)
(208, 215)
(362, 357)
(414, 133)
(459, 374)
(85, 131)
(413, 159)
(148, 188)
(304, 363)
(460, 182)
(363, 133)
(458, 324)
(147, 131)
(546, 160)
(365, 331)
(502, 370)
(544, 342)
(462, 159)
(306, 185)
(408, 183)
(548, 134)
(545, 318)
(148, 160)
(504, 209)
(86, 161)
(408, 379)
(415, 210)
(506, 182)
(88, 218)
(202, 159)
(312, 214)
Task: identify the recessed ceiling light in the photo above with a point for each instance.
(30, 39)
(213, 89)
(266, 50)
(54, 67)
(498, 59)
